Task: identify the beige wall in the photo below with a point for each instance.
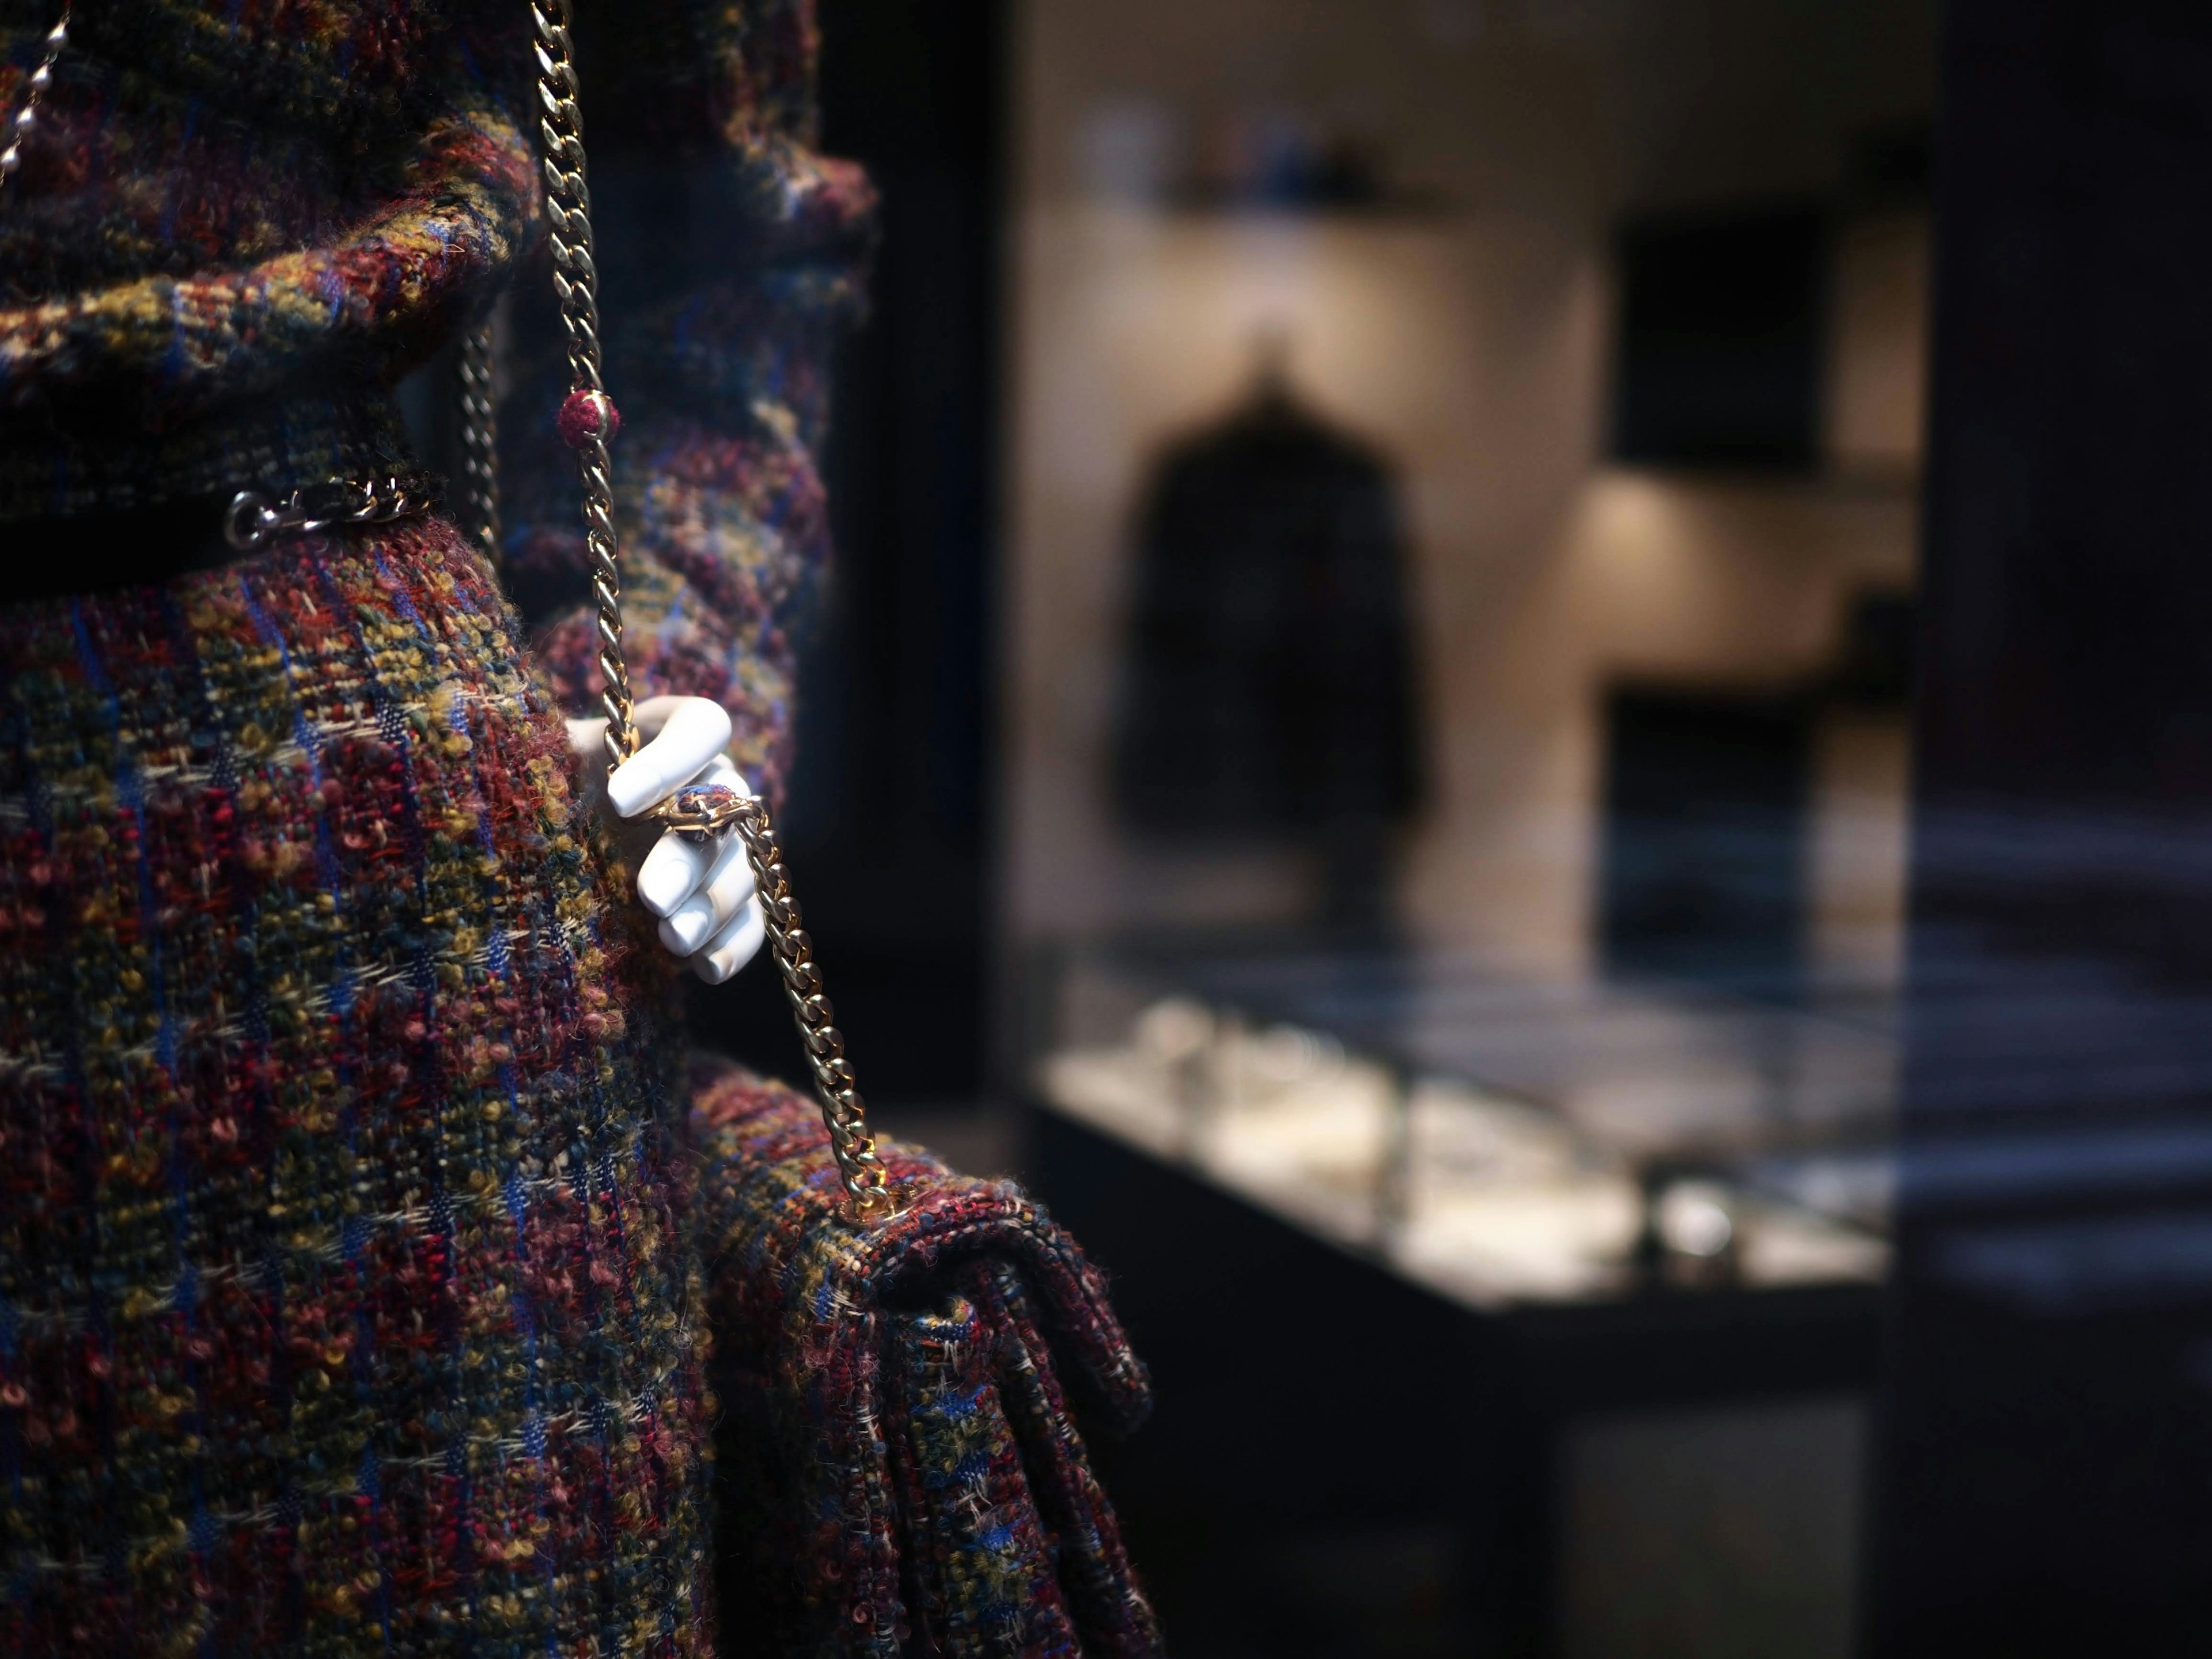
(1472, 346)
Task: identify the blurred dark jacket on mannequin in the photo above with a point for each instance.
(1271, 691)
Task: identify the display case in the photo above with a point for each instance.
(1556, 1298)
(1493, 1136)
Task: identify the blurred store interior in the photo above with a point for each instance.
(1573, 1113)
(1361, 744)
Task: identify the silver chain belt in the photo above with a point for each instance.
(254, 520)
(26, 118)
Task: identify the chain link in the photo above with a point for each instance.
(254, 520)
(702, 812)
(867, 1184)
(479, 505)
(26, 118)
(576, 285)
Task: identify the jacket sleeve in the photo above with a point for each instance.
(732, 256)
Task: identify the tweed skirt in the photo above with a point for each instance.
(345, 1303)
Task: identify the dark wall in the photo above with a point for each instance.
(887, 825)
(2045, 1478)
(1703, 833)
(1719, 342)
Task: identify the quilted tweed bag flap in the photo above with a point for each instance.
(901, 1469)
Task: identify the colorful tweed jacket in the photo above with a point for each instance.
(242, 222)
(351, 1265)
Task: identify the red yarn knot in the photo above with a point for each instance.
(586, 414)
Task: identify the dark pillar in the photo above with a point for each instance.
(888, 819)
(2044, 1484)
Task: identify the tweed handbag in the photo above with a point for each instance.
(901, 1472)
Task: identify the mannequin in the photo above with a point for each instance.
(345, 1173)
(363, 1213)
(1271, 687)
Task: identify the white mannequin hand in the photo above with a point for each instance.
(703, 891)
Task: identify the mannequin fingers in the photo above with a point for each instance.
(720, 896)
(678, 866)
(649, 716)
(721, 891)
(673, 871)
(733, 946)
(691, 734)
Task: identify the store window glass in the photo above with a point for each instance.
(1491, 716)
(1463, 540)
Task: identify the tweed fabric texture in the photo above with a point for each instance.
(344, 1300)
(726, 540)
(239, 220)
(237, 226)
(242, 221)
(902, 1473)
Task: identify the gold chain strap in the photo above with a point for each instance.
(588, 424)
(588, 418)
(867, 1184)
